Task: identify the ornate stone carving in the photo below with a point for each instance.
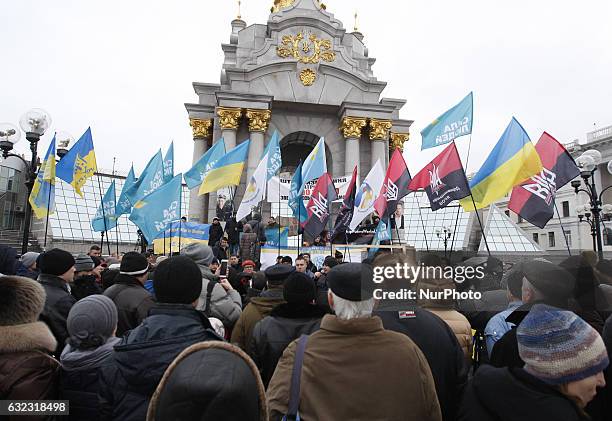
(281, 4)
(294, 46)
(307, 77)
(351, 127)
(379, 129)
(397, 141)
(228, 117)
(258, 119)
(200, 127)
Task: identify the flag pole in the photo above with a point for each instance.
(117, 218)
(180, 219)
(279, 212)
(423, 225)
(562, 229)
(467, 160)
(103, 217)
(47, 217)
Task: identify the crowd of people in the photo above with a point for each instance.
(145, 337)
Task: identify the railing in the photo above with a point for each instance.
(599, 134)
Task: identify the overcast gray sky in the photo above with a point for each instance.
(125, 68)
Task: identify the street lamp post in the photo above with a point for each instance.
(594, 211)
(444, 234)
(34, 123)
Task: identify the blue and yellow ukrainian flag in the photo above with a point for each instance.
(79, 163)
(227, 170)
(42, 198)
(513, 160)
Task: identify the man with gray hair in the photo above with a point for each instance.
(543, 283)
(352, 368)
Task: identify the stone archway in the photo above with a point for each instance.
(298, 145)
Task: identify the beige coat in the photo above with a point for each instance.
(356, 370)
(459, 325)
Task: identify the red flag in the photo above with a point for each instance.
(443, 179)
(319, 206)
(534, 199)
(395, 186)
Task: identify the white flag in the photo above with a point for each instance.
(278, 189)
(255, 189)
(366, 195)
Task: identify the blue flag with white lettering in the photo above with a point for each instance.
(105, 218)
(152, 178)
(153, 212)
(296, 198)
(195, 175)
(273, 152)
(454, 123)
(169, 163)
(123, 204)
(383, 233)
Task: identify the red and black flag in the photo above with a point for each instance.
(395, 186)
(319, 206)
(443, 179)
(534, 199)
(346, 211)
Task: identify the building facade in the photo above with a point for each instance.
(304, 75)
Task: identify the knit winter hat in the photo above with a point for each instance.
(199, 253)
(559, 347)
(21, 300)
(29, 258)
(91, 321)
(83, 263)
(56, 262)
(299, 289)
(177, 280)
(134, 264)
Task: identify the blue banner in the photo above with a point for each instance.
(272, 236)
(454, 123)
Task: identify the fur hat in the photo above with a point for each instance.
(21, 300)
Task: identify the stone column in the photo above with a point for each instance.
(258, 124)
(228, 121)
(198, 205)
(351, 130)
(379, 135)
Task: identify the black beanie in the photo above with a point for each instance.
(299, 289)
(134, 264)
(56, 262)
(177, 280)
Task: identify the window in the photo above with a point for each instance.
(551, 239)
(568, 238)
(566, 211)
(607, 236)
(535, 238)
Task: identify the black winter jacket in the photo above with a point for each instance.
(439, 345)
(57, 306)
(133, 302)
(84, 286)
(215, 234)
(275, 332)
(141, 358)
(512, 394)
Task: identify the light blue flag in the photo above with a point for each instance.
(315, 164)
(454, 123)
(383, 233)
(106, 218)
(273, 152)
(169, 163)
(123, 204)
(195, 175)
(150, 180)
(273, 239)
(153, 212)
(296, 199)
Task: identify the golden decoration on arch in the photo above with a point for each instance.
(351, 127)
(258, 119)
(308, 50)
(397, 141)
(200, 127)
(281, 4)
(228, 117)
(379, 129)
(307, 77)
